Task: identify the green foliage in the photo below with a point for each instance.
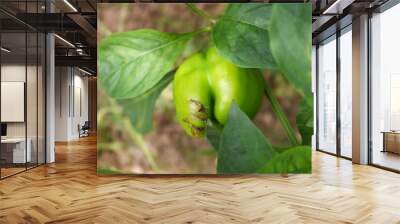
(134, 68)
(305, 122)
(213, 135)
(140, 109)
(241, 34)
(243, 148)
(278, 111)
(293, 160)
(131, 63)
(290, 41)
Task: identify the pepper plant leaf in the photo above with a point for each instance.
(213, 135)
(305, 122)
(243, 148)
(131, 63)
(290, 44)
(293, 160)
(241, 35)
(140, 109)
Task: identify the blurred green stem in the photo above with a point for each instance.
(136, 137)
(201, 30)
(139, 140)
(278, 111)
(200, 12)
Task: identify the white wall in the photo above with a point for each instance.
(12, 73)
(62, 81)
(71, 94)
(80, 110)
(33, 126)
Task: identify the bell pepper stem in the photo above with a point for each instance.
(280, 114)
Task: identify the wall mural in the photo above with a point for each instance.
(204, 88)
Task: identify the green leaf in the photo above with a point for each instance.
(243, 148)
(131, 63)
(305, 122)
(293, 160)
(290, 41)
(213, 135)
(241, 35)
(140, 109)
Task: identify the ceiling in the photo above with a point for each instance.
(19, 54)
(74, 22)
(329, 15)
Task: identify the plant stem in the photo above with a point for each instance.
(139, 140)
(200, 12)
(278, 111)
(198, 31)
(136, 137)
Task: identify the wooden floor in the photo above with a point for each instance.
(5, 172)
(387, 159)
(69, 191)
(8, 171)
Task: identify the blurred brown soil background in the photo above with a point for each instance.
(173, 150)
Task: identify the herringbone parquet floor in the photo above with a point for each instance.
(70, 192)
